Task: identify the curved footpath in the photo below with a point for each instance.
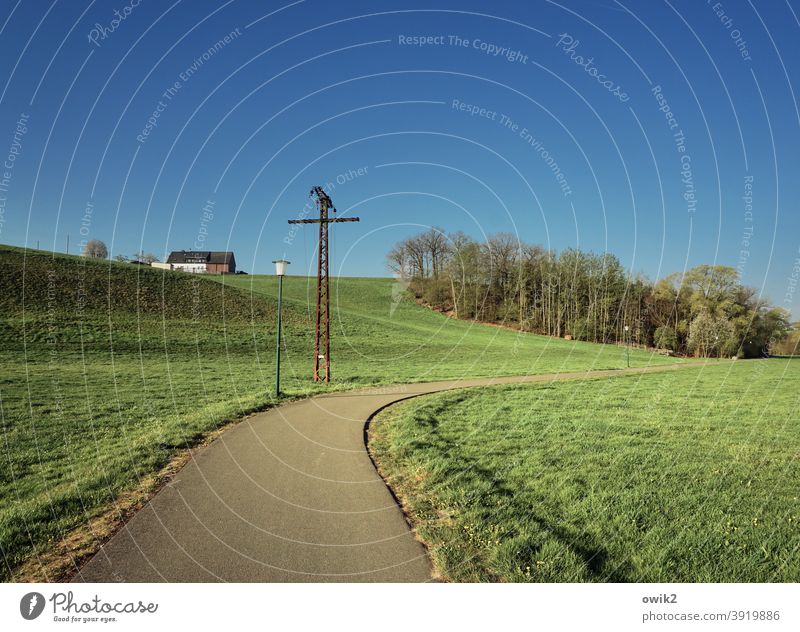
(287, 495)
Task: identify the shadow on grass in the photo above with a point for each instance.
(595, 557)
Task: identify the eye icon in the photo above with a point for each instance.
(31, 605)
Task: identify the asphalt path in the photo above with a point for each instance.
(288, 495)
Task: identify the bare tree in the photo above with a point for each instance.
(397, 260)
(434, 243)
(148, 258)
(96, 249)
(415, 251)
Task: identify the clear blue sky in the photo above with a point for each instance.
(311, 92)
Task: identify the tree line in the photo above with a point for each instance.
(704, 311)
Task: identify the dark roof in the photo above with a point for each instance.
(200, 256)
(220, 257)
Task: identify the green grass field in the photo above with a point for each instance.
(110, 370)
(378, 336)
(687, 476)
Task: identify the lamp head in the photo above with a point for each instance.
(280, 266)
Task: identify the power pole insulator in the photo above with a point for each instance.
(322, 336)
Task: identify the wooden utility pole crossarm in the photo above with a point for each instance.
(322, 337)
(327, 221)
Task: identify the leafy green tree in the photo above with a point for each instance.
(701, 335)
(790, 345)
(725, 340)
(665, 338)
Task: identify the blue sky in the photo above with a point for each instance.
(460, 115)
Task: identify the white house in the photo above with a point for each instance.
(202, 261)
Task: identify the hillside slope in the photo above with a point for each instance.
(39, 280)
(379, 335)
(69, 300)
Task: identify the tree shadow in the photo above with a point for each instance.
(596, 558)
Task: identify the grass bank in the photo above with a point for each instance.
(685, 476)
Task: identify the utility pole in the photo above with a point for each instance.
(322, 336)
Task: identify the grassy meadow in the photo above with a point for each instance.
(684, 476)
(111, 369)
(378, 336)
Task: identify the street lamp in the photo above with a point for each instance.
(627, 347)
(280, 271)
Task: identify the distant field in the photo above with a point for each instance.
(110, 369)
(380, 337)
(686, 476)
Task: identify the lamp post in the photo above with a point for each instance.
(627, 347)
(280, 271)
